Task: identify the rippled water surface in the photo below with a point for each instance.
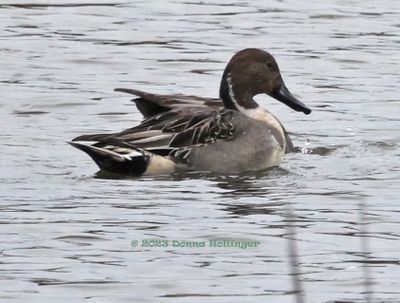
(66, 232)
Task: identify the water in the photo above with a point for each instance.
(66, 232)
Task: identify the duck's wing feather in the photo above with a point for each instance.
(181, 129)
(153, 104)
(168, 132)
(217, 126)
(169, 122)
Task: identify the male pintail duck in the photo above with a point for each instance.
(229, 135)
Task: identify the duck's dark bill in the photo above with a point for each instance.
(284, 95)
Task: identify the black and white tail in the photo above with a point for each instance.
(115, 159)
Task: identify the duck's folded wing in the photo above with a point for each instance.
(168, 132)
(153, 104)
(163, 125)
(179, 129)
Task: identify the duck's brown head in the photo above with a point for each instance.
(251, 72)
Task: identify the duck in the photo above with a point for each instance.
(231, 134)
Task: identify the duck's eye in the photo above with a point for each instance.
(270, 65)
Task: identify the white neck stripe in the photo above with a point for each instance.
(231, 93)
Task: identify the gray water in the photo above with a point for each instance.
(66, 232)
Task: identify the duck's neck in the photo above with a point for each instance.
(237, 97)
